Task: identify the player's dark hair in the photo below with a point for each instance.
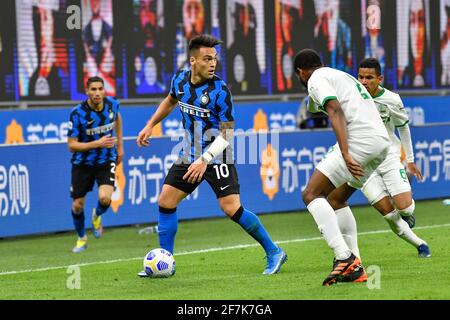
(371, 63)
(94, 79)
(203, 40)
(307, 59)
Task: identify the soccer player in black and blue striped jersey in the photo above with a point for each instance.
(95, 139)
(207, 111)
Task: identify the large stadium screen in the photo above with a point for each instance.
(148, 47)
(294, 27)
(444, 73)
(247, 48)
(97, 43)
(137, 45)
(377, 36)
(335, 34)
(191, 18)
(7, 38)
(415, 67)
(42, 62)
(98, 49)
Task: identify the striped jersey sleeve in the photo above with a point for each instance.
(74, 125)
(225, 105)
(174, 83)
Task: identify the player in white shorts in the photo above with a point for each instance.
(362, 145)
(390, 180)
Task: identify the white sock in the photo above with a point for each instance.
(326, 221)
(402, 229)
(347, 224)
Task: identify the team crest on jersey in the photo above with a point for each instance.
(111, 115)
(204, 99)
(384, 112)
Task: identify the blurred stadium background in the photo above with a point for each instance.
(48, 48)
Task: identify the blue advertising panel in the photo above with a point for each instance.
(432, 156)
(425, 110)
(51, 125)
(273, 170)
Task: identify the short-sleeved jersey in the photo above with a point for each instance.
(202, 108)
(393, 114)
(363, 120)
(88, 125)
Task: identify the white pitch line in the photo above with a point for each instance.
(207, 250)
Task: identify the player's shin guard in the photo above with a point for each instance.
(253, 226)
(402, 229)
(167, 228)
(78, 222)
(326, 221)
(347, 225)
(101, 209)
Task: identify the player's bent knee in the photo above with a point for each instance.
(337, 204)
(170, 198)
(383, 208)
(105, 201)
(308, 196)
(230, 204)
(409, 210)
(77, 209)
(230, 210)
(78, 206)
(165, 202)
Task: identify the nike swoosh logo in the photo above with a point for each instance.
(180, 92)
(90, 122)
(223, 188)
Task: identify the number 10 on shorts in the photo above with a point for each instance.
(221, 171)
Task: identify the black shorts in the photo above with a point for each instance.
(222, 178)
(84, 177)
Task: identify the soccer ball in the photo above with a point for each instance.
(159, 263)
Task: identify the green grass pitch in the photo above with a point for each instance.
(216, 260)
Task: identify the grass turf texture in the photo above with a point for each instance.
(109, 265)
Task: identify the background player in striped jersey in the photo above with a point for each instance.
(389, 182)
(362, 144)
(95, 155)
(208, 119)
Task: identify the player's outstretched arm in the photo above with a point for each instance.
(107, 142)
(164, 109)
(339, 124)
(119, 134)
